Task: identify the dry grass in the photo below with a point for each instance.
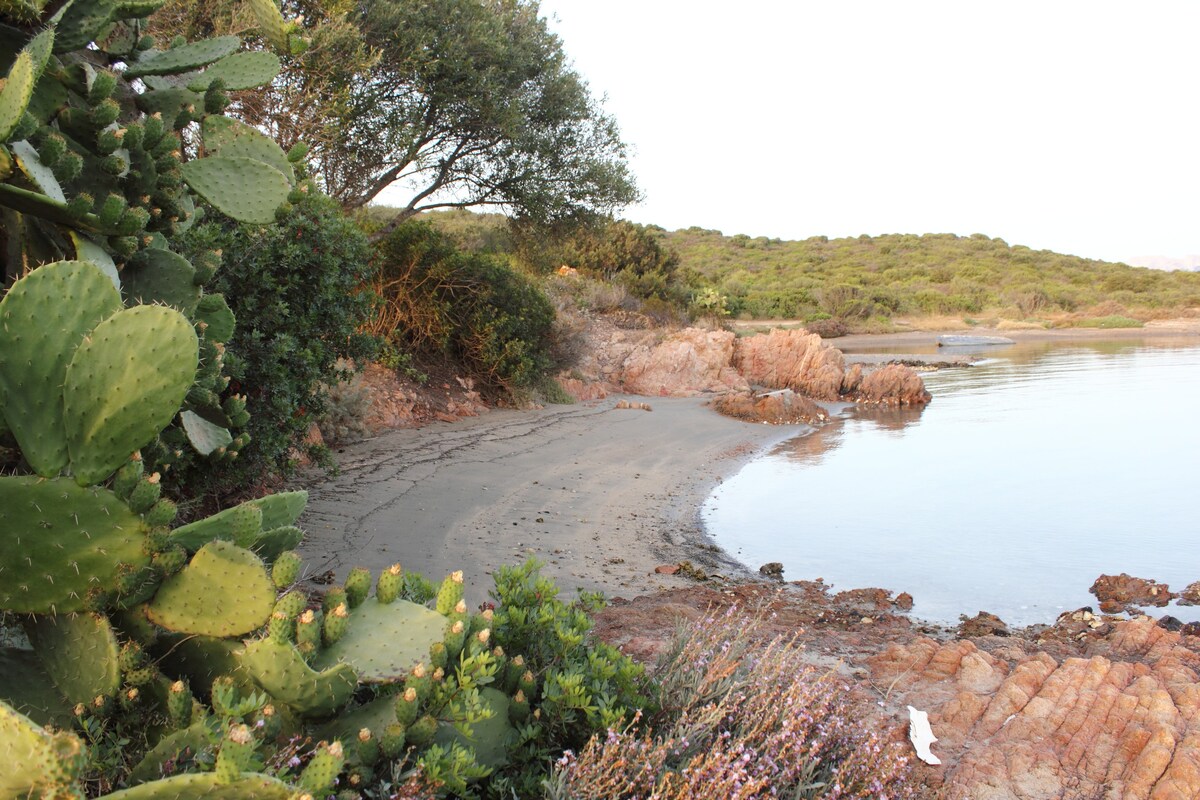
(742, 718)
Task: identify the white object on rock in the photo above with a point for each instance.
(922, 735)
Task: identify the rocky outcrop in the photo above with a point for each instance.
(1118, 593)
(689, 362)
(803, 362)
(1123, 722)
(792, 359)
(783, 407)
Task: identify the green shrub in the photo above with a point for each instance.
(295, 289)
(470, 307)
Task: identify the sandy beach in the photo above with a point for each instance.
(601, 495)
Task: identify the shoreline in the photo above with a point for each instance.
(600, 495)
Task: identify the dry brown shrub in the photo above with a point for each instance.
(742, 718)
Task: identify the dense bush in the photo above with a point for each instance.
(295, 290)
(467, 306)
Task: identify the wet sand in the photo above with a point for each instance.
(601, 495)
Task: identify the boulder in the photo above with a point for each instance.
(1120, 592)
(685, 363)
(777, 408)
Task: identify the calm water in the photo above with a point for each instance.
(1026, 477)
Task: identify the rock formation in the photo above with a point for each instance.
(1118, 593)
(780, 407)
(689, 362)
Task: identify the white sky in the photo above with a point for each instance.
(1057, 124)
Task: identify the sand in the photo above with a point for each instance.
(601, 495)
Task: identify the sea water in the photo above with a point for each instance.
(1027, 477)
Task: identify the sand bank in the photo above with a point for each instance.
(600, 494)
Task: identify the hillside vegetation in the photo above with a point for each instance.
(867, 278)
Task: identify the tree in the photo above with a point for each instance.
(473, 103)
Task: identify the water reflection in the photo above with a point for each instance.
(1028, 476)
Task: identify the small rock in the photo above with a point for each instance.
(1118, 592)
(1169, 623)
(982, 624)
(773, 570)
(667, 569)
(904, 601)
(1190, 596)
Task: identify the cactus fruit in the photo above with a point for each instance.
(479, 642)
(320, 776)
(391, 581)
(456, 638)
(419, 682)
(450, 593)
(286, 569)
(358, 584)
(141, 676)
(439, 656)
(145, 494)
(407, 706)
(237, 749)
(161, 513)
(334, 597)
(421, 732)
(392, 740)
(128, 476)
(308, 633)
(527, 683)
(518, 709)
(281, 629)
(291, 604)
(336, 623)
(513, 672)
(179, 704)
(367, 747)
(224, 591)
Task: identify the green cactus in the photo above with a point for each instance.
(392, 740)
(308, 633)
(37, 763)
(384, 642)
(286, 569)
(238, 71)
(218, 320)
(270, 23)
(181, 59)
(188, 741)
(22, 76)
(145, 494)
(270, 544)
(117, 397)
(277, 511)
(389, 585)
(237, 750)
(281, 672)
(490, 737)
(160, 276)
(358, 585)
(39, 334)
(66, 547)
(224, 591)
(336, 623)
(206, 437)
(450, 593)
(207, 786)
(243, 188)
(179, 704)
(407, 706)
(319, 776)
(80, 654)
(224, 136)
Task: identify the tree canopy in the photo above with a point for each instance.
(473, 103)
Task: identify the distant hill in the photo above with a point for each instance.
(857, 279)
(1191, 263)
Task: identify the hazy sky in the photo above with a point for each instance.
(1056, 124)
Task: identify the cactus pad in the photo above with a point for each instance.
(189, 740)
(224, 136)
(384, 642)
(22, 76)
(207, 786)
(281, 672)
(280, 509)
(87, 250)
(217, 317)
(240, 524)
(29, 690)
(124, 385)
(36, 763)
(184, 58)
(490, 737)
(205, 437)
(201, 659)
(79, 653)
(238, 71)
(224, 591)
(59, 542)
(243, 188)
(43, 320)
(270, 23)
(163, 277)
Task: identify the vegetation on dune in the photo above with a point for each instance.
(878, 278)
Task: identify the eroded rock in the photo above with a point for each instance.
(1120, 592)
(688, 362)
(780, 407)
